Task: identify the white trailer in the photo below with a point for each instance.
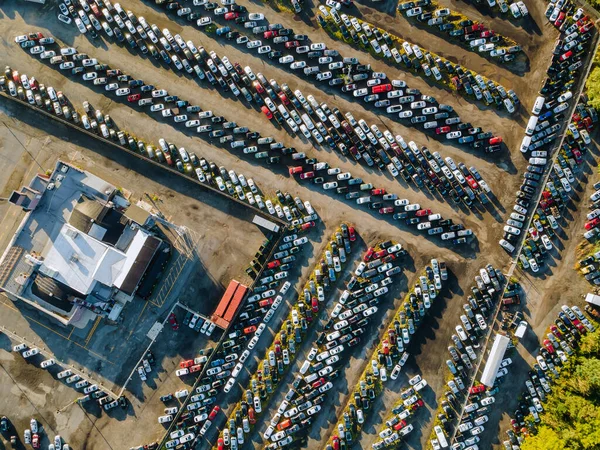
(494, 359)
(272, 226)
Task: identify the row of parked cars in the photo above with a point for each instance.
(562, 338)
(555, 195)
(375, 83)
(549, 108)
(313, 58)
(31, 435)
(90, 391)
(589, 266)
(293, 331)
(396, 425)
(184, 160)
(474, 36)
(348, 320)
(428, 170)
(342, 132)
(517, 9)
(391, 355)
(464, 350)
(417, 59)
(351, 140)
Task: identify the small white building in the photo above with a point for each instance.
(593, 299)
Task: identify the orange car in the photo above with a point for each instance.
(285, 424)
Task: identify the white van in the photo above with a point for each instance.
(525, 144)
(304, 367)
(538, 105)
(533, 120)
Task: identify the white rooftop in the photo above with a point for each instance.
(79, 260)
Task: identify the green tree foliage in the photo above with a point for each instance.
(592, 85)
(546, 439)
(571, 417)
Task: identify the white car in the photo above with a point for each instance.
(47, 363)
(32, 352)
(90, 76)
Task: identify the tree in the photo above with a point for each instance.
(545, 439)
(587, 377)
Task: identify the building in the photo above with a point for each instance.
(80, 251)
(494, 360)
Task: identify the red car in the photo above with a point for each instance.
(307, 175)
(232, 16)
(269, 34)
(487, 33)
(387, 210)
(265, 303)
(307, 225)
(195, 368)
(220, 444)
(295, 170)
(369, 254)
(266, 112)
(380, 254)
(249, 330)
(565, 56)
(317, 384)
(381, 88)
(477, 389)
(400, 425)
(472, 182)
(315, 304)
(283, 98)
(592, 223)
(351, 234)
(134, 97)
(214, 413)
(378, 191)
(292, 44)
(173, 322)
(273, 264)
(556, 331)
(495, 140)
(561, 18)
(386, 347)
(35, 36)
(187, 363)
(423, 212)
(35, 441)
(259, 87)
(579, 326)
(336, 443)
(548, 345)
(251, 415)
(442, 130)
(587, 27)
(95, 9)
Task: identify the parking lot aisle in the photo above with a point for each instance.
(92, 331)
